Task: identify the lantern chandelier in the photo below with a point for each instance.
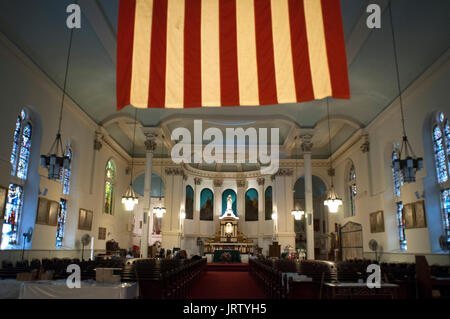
(57, 157)
(130, 198)
(160, 210)
(409, 164)
(333, 201)
(297, 213)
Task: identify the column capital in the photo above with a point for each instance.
(218, 183)
(365, 146)
(261, 181)
(306, 143)
(98, 141)
(241, 183)
(150, 144)
(197, 180)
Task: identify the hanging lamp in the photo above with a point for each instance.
(130, 198)
(160, 210)
(407, 163)
(333, 201)
(297, 213)
(57, 157)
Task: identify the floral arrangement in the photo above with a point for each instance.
(226, 256)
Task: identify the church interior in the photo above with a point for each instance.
(164, 201)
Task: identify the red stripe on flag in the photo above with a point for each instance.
(192, 54)
(157, 83)
(267, 85)
(125, 36)
(300, 54)
(229, 80)
(334, 37)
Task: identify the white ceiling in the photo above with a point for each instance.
(422, 30)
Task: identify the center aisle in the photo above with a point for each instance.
(226, 285)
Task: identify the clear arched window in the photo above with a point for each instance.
(110, 176)
(397, 175)
(66, 174)
(20, 155)
(351, 189)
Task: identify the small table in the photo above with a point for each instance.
(90, 289)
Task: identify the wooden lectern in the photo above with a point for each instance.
(275, 250)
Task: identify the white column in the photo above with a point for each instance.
(150, 146)
(307, 148)
(217, 202)
(240, 198)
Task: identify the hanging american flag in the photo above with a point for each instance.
(192, 53)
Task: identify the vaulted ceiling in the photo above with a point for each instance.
(422, 30)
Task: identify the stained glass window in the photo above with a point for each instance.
(445, 198)
(109, 187)
(397, 176)
(13, 210)
(352, 189)
(401, 226)
(20, 155)
(440, 155)
(61, 222)
(66, 175)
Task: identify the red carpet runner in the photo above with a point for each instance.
(222, 283)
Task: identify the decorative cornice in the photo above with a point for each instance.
(174, 171)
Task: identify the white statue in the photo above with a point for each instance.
(229, 203)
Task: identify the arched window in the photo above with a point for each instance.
(20, 158)
(441, 146)
(351, 190)
(206, 204)
(189, 203)
(110, 176)
(440, 155)
(13, 212)
(62, 213)
(20, 155)
(397, 175)
(66, 174)
(251, 205)
(268, 206)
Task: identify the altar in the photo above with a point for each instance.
(229, 240)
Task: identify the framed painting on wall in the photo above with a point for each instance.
(3, 193)
(85, 219)
(102, 233)
(377, 222)
(408, 215)
(53, 210)
(420, 215)
(42, 211)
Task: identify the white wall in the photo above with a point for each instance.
(26, 86)
(426, 95)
